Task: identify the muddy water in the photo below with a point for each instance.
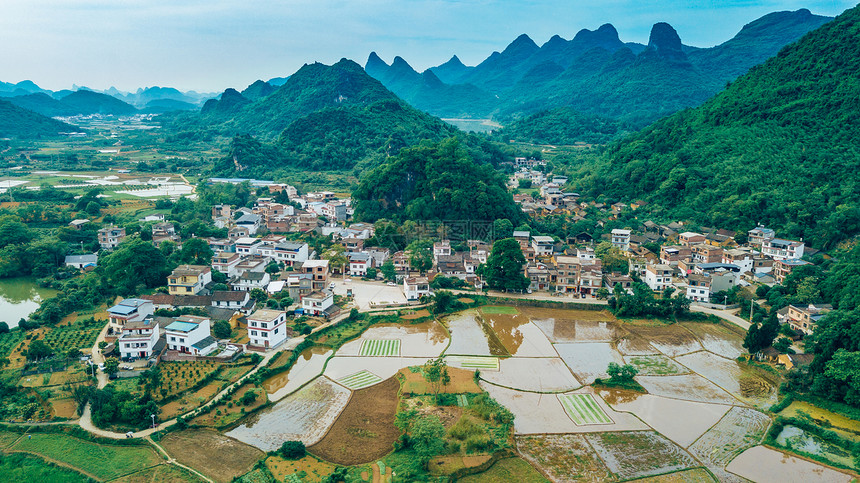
(614, 396)
(503, 332)
(309, 358)
(426, 339)
(467, 336)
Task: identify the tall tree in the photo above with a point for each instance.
(135, 263)
(420, 255)
(504, 268)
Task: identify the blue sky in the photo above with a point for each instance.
(209, 45)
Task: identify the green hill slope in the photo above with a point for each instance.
(16, 122)
(779, 146)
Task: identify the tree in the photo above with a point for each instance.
(504, 268)
(259, 295)
(619, 373)
(94, 208)
(39, 350)
(111, 365)
(427, 437)
(4, 328)
(502, 229)
(388, 271)
(783, 345)
(13, 231)
(420, 254)
(371, 273)
(444, 301)
(196, 251)
(404, 419)
(436, 374)
(221, 329)
(336, 257)
(612, 257)
(292, 450)
(135, 263)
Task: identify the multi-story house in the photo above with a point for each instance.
(441, 249)
(611, 280)
(568, 270)
(539, 277)
(129, 310)
(267, 328)
(672, 254)
(247, 245)
(359, 263)
(110, 237)
(251, 221)
(249, 280)
(590, 279)
(689, 239)
(319, 270)
(780, 249)
(543, 246)
(658, 277)
(190, 334)
(299, 284)
(703, 253)
(620, 239)
(758, 235)
(415, 287)
(291, 253)
(698, 287)
(782, 268)
(226, 263)
(318, 304)
(138, 338)
(233, 300)
(189, 279)
(805, 319)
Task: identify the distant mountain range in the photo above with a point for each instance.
(17, 122)
(594, 73)
(778, 146)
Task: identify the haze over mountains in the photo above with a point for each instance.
(595, 72)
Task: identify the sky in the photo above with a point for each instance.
(209, 45)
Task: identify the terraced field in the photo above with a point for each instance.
(739, 429)
(381, 347)
(639, 453)
(474, 362)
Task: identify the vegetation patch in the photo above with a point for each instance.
(500, 309)
(102, 461)
(161, 474)
(309, 469)
(211, 453)
(507, 470)
(365, 429)
(564, 457)
(22, 467)
(360, 380)
(412, 381)
(380, 347)
(639, 453)
(583, 409)
(657, 365)
(474, 362)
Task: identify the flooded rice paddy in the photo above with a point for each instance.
(308, 366)
(764, 464)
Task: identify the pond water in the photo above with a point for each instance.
(20, 297)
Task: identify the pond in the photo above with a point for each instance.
(20, 297)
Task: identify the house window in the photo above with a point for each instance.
(276, 330)
(264, 334)
(253, 332)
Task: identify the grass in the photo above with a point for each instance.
(506, 470)
(75, 336)
(475, 362)
(7, 438)
(21, 467)
(9, 341)
(314, 469)
(102, 461)
(656, 365)
(359, 380)
(583, 409)
(160, 474)
(381, 347)
(499, 309)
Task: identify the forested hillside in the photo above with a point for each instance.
(16, 122)
(434, 182)
(779, 146)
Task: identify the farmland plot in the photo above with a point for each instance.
(210, 452)
(681, 421)
(427, 339)
(695, 475)
(639, 453)
(519, 336)
(566, 458)
(633, 345)
(739, 429)
(672, 340)
(583, 409)
(743, 383)
(690, 387)
(308, 366)
(797, 439)
(544, 413)
(764, 464)
(533, 374)
(717, 339)
(304, 415)
(360, 380)
(657, 365)
(380, 347)
(467, 336)
(588, 360)
(384, 367)
(474, 362)
(567, 330)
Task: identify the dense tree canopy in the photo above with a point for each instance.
(504, 268)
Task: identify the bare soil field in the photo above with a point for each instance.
(564, 457)
(211, 453)
(695, 475)
(365, 429)
(161, 474)
(639, 453)
(634, 345)
(462, 381)
(672, 340)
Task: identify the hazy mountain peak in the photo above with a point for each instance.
(665, 42)
(521, 45)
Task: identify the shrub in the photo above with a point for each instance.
(292, 450)
(478, 442)
(464, 428)
(248, 398)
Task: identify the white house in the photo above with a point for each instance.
(250, 221)
(780, 249)
(621, 239)
(129, 310)
(226, 263)
(267, 328)
(138, 339)
(82, 261)
(359, 263)
(235, 300)
(250, 280)
(658, 277)
(291, 253)
(247, 245)
(415, 287)
(190, 334)
(318, 303)
(698, 287)
(542, 245)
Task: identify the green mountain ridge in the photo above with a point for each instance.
(779, 146)
(17, 122)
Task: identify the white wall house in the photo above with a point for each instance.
(542, 245)
(82, 261)
(780, 249)
(658, 277)
(267, 328)
(234, 300)
(291, 253)
(226, 262)
(247, 245)
(415, 287)
(129, 310)
(317, 303)
(698, 288)
(138, 339)
(359, 263)
(190, 334)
